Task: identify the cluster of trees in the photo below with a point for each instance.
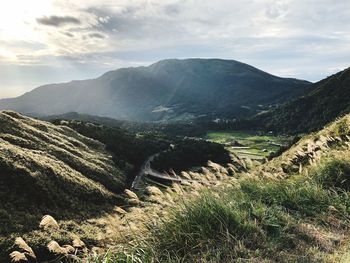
(191, 153)
(129, 149)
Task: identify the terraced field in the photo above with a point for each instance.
(247, 144)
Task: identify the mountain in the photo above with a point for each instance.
(49, 169)
(169, 89)
(327, 100)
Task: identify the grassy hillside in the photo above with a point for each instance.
(129, 149)
(329, 99)
(48, 169)
(294, 208)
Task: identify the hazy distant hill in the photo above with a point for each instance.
(328, 99)
(169, 89)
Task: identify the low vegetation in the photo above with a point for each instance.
(188, 154)
(250, 219)
(51, 169)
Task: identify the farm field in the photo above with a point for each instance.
(248, 144)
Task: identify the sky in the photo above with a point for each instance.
(50, 41)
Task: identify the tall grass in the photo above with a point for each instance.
(131, 254)
(261, 220)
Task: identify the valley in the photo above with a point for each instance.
(289, 205)
(228, 188)
(175, 131)
(248, 144)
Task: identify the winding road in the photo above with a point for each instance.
(146, 170)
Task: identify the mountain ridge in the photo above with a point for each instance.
(327, 100)
(168, 89)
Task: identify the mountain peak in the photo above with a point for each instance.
(188, 88)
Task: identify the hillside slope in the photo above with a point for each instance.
(328, 99)
(294, 208)
(169, 89)
(48, 169)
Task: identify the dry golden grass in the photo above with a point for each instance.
(55, 248)
(153, 190)
(48, 222)
(126, 227)
(77, 242)
(48, 169)
(130, 194)
(69, 154)
(333, 140)
(18, 256)
(24, 246)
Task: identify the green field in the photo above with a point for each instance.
(259, 146)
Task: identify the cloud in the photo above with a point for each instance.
(276, 9)
(58, 21)
(172, 9)
(294, 38)
(68, 34)
(97, 35)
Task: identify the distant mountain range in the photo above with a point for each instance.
(327, 100)
(169, 89)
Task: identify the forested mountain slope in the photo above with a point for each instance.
(328, 99)
(169, 89)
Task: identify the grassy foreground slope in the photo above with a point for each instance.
(48, 169)
(295, 208)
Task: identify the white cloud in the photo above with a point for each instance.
(301, 38)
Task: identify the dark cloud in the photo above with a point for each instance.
(68, 34)
(57, 21)
(144, 21)
(96, 35)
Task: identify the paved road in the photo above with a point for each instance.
(146, 170)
